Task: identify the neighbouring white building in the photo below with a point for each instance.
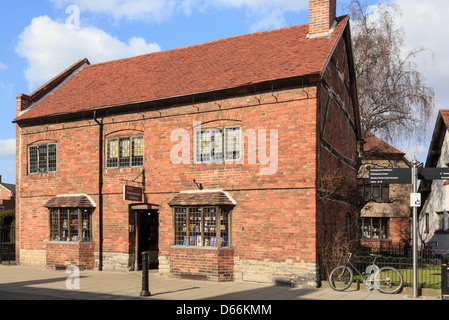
(433, 219)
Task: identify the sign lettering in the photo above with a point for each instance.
(390, 176)
(132, 193)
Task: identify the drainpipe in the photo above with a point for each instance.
(100, 191)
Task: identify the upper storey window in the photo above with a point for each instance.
(42, 158)
(125, 152)
(217, 145)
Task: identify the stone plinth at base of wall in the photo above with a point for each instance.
(288, 273)
(33, 257)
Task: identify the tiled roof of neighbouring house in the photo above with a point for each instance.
(375, 145)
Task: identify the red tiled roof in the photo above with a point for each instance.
(445, 116)
(70, 201)
(375, 145)
(227, 63)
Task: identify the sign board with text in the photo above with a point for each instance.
(390, 175)
(131, 193)
(433, 173)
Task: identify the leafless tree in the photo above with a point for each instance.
(395, 102)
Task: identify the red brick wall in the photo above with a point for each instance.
(400, 230)
(62, 255)
(202, 263)
(77, 172)
(338, 149)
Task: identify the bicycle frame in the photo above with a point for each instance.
(385, 279)
(370, 271)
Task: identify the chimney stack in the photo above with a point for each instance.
(322, 14)
(22, 102)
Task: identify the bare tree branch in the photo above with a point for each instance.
(394, 99)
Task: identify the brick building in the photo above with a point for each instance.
(234, 142)
(385, 218)
(7, 195)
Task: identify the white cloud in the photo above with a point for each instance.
(3, 66)
(425, 25)
(262, 14)
(7, 148)
(154, 10)
(50, 47)
(418, 151)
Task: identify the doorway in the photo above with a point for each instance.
(147, 237)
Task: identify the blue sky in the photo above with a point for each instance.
(41, 38)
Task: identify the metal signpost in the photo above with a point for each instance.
(409, 176)
(415, 227)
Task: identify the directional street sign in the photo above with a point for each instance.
(433, 173)
(390, 175)
(404, 175)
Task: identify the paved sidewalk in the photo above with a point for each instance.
(38, 283)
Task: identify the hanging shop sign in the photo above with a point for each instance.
(131, 193)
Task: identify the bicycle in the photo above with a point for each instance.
(385, 279)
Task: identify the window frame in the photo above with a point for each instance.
(43, 166)
(368, 234)
(83, 223)
(135, 154)
(213, 156)
(441, 221)
(189, 236)
(382, 191)
(426, 222)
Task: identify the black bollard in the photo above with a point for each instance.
(145, 292)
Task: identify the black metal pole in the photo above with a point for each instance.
(145, 292)
(100, 192)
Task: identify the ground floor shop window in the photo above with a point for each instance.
(72, 225)
(376, 228)
(202, 226)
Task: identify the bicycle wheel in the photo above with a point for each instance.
(341, 278)
(388, 280)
